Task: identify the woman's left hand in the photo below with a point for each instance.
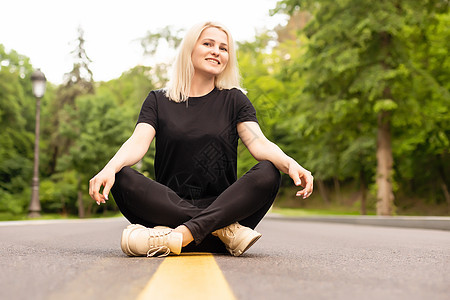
(301, 177)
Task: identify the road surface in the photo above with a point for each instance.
(82, 259)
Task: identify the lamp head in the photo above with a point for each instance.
(38, 82)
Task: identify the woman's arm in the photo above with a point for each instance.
(263, 149)
(130, 153)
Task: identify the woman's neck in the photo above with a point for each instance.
(201, 86)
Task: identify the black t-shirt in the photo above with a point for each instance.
(196, 142)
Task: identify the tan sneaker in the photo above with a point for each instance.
(138, 240)
(237, 238)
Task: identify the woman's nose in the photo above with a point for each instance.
(215, 51)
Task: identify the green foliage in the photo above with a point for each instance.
(81, 129)
(17, 107)
(98, 124)
(129, 92)
(363, 58)
(14, 202)
(57, 193)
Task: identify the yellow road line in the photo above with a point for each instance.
(188, 276)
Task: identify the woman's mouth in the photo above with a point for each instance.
(213, 60)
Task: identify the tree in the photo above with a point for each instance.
(98, 129)
(79, 81)
(357, 70)
(424, 146)
(17, 118)
(129, 92)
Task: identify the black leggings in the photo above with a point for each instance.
(149, 203)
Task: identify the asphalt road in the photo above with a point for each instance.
(293, 260)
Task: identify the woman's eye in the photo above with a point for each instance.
(224, 49)
(207, 44)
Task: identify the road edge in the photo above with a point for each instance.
(434, 223)
(58, 221)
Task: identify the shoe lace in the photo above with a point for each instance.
(230, 230)
(157, 242)
(153, 252)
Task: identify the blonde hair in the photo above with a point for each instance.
(178, 87)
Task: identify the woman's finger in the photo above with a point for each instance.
(296, 178)
(309, 185)
(108, 185)
(94, 188)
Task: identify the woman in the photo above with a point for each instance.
(197, 120)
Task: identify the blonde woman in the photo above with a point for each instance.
(196, 200)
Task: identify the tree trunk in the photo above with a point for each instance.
(89, 209)
(446, 195)
(337, 188)
(443, 180)
(80, 205)
(363, 192)
(385, 161)
(322, 190)
(80, 201)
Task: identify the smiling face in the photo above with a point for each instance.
(210, 53)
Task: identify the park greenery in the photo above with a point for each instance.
(357, 91)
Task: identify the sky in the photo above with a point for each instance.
(46, 30)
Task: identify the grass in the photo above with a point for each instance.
(348, 202)
(298, 212)
(302, 212)
(46, 216)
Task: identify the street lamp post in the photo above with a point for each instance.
(38, 82)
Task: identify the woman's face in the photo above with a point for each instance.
(210, 53)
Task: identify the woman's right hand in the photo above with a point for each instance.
(105, 178)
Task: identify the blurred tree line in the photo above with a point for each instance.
(357, 91)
